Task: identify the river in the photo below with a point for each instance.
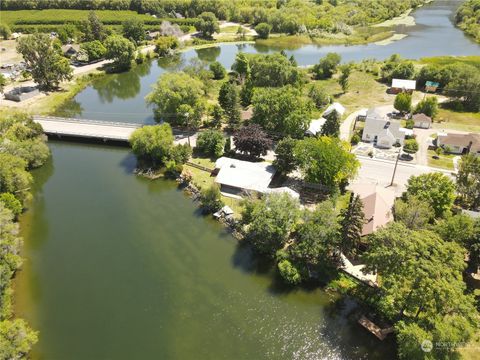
(119, 267)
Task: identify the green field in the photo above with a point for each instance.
(463, 121)
(444, 161)
(448, 60)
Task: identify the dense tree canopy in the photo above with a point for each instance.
(153, 143)
(229, 100)
(211, 142)
(326, 161)
(134, 30)
(403, 102)
(428, 106)
(176, 94)
(270, 221)
(282, 110)
(252, 141)
(285, 160)
(434, 188)
(47, 66)
(327, 66)
(121, 51)
(94, 49)
(413, 212)
(207, 24)
(468, 181)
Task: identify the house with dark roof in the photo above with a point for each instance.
(422, 121)
(460, 143)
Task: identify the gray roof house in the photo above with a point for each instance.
(383, 132)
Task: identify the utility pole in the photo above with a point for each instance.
(395, 168)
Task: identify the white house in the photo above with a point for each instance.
(334, 106)
(381, 131)
(235, 176)
(460, 143)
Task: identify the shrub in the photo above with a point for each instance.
(11, 203)
(355, 139)
(410, 146)
(263, 30)
(165, 45)
(318, 95)
(410, 124)
(211, 199)
(181, 153)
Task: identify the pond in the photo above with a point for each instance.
(119, 267)
(121, 97)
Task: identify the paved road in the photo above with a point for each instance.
(380, 172)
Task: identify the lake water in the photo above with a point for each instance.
(121, 97)
(119, 267)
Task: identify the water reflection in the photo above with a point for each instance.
(123, 86)
(209, 54)
(171, 63)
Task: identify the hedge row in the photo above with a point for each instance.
(189, 22)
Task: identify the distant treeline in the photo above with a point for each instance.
(468, 18)
(289, 16)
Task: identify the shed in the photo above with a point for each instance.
(431, 86)
(422, 121)
(334, 106)
(403, 85)
(70, 50)
(315, 126)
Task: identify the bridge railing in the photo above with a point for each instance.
(86, 121)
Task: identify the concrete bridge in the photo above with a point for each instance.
(89, 129)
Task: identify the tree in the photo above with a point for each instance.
(252, 140)
(176, 94)
(283, 111)
(410, 146)
(211, 199)
(93, 28)
(344, 75)
(270, 221)
(14, 178)
(211, 142)
(327, 66)
(468, 181)
(11, 203)
(165, 45)
(121, 51)
(218, 70)
(242, 66)
(410, 338)
(152, 144)
(428, 106)
(352, 220)
(94, 49)
(317, 237)
(464, 86)
(326, 161)
(48, 67)
(434, 188)
(16, 339)
(207, 24)
(272, 70)
(228, 99)
(413, 212)
(332, 125)
(318, 95)
(5, 31)
(134, 30)
(289, 272)
(263, 30)
(285, 161)
(458, 228)
(403, 102)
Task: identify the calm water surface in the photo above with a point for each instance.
(119, 267)
(121, 97)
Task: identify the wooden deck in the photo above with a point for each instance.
(374, 328)
(91, 129)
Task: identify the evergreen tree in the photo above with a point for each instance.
(352, 220)
(345, 74)
(229, 101)
(332, 125)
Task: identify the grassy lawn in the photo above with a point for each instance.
(204, 180)
(464, 121)
(445, 161)
(229, 29)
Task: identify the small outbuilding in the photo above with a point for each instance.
(431, 86)
(315, 126)
(422, 121)
(70, 50)
(402, 85)
(339, 108)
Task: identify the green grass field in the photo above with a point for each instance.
(448, 60)
(444, 161)
(463, 121)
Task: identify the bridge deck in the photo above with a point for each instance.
(93, 129)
